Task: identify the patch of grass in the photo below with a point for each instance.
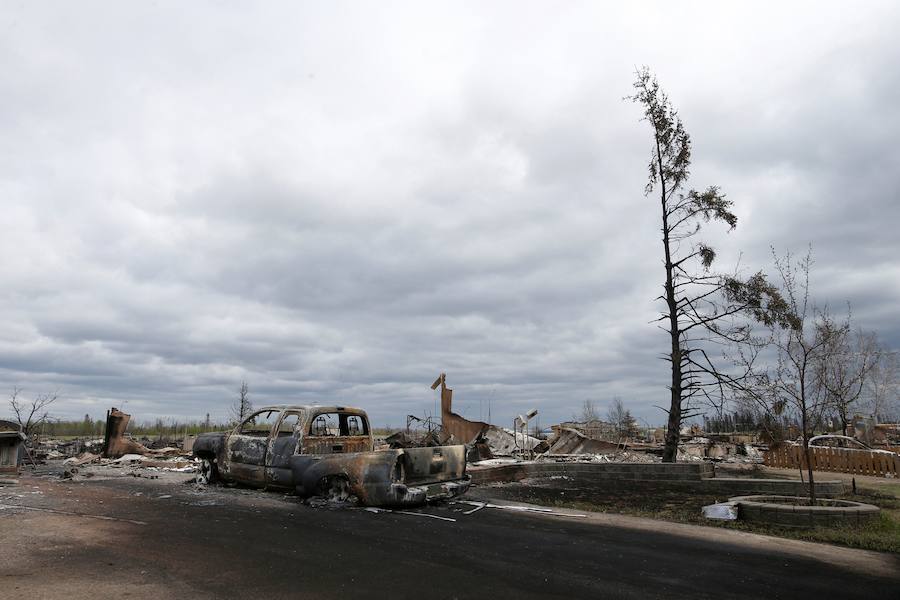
(887, 490)
(882, 535)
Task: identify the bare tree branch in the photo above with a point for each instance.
(31, 414)
(241, 408)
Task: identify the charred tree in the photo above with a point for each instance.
(30, 415)
(702, 308)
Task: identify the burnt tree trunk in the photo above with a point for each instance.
(673, 430)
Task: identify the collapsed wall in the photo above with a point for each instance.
(115, 444)
(463, 430)
(498, 441)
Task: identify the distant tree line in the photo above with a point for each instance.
(749, 421)
(34, 418)
(168, 428)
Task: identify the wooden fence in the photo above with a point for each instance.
(840, 460)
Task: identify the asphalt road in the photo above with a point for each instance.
(138, 538)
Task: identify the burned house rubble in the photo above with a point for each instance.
(590, 441)
(298, 449)
(116, 453)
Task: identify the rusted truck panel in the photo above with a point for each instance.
(386, 477)
(329, 450)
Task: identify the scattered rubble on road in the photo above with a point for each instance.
(478, 506)
(519, 508)
(90, 465)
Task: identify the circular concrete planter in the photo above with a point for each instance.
(795, 511)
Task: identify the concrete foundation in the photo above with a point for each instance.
(694, 477)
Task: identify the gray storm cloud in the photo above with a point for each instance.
(337, 202)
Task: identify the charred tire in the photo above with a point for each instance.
(398, 474)
(335, 488)
(209, 471)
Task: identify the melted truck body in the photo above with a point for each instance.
(329, 450)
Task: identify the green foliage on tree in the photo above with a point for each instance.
(702, 308)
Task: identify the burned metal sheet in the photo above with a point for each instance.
(463, 430)
(571, 441)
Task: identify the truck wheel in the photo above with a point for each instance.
(209, 472)
(335, 489)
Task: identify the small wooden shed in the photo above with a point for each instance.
(11, 447)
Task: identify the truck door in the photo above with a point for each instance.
(282, 446)
(248, 445)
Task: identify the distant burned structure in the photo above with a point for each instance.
(595, 429)
(483, 439)
(115, 444)
(463, 430)
(568, 440)
(12, 446)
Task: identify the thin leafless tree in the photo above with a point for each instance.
(588, 412)
(621, 419)
(617, 416)
(242, 407)
(847, 366)
(793, 385)
(31, 414)
(883, 386)
(591, 425)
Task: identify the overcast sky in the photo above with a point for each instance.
(338, 201)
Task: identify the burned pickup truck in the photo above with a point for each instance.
(330, 451)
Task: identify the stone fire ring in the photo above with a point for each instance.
(794, 511)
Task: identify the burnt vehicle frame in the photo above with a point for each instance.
(330, 451)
